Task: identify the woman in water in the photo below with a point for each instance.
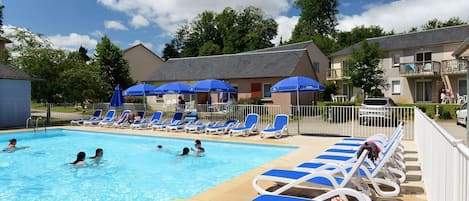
(80, 159)
(99, 154)
(12, 146)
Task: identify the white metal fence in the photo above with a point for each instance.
(445, 161)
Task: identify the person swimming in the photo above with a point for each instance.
(199, 150)
(80, 159)
(185, 151)
(99, 154)
(12, 146)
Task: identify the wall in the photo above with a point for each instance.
(316, 55)
(15, 102)
(142, 62)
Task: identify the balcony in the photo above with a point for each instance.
(454, 66)
(336, 74)
(420, 69)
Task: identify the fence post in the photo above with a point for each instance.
(48, 113)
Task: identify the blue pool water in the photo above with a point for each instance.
(132, 168)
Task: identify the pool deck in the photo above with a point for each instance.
(240, 187)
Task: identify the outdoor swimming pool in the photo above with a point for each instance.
(131, 169)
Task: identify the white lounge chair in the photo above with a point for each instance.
(249, 126)
(221, 129)
(96, 116)
(109, 116)
(155, 118)
(343, 193)
(278, 128)
(177, 117)
(109, 123)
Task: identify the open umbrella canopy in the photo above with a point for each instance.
(175, 88)
(297, 84)
(141, 90)
(212, 85)
(117, 99)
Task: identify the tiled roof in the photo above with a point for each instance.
(12, 73)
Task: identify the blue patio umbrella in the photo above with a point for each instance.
(175, 88)
(297, 84)
(212, 85)
(117, 99)
(141, 90)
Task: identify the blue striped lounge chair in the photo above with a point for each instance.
(109, 123)
(96, 116)
(249, 126)
(278, 128)
(340, 192)
(155, 118)
(177, 117)
(221, 129)
(109, 116)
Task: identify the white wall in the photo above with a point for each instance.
(15, 102)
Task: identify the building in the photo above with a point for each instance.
(15, 96)
(251, 73)
(142, 61)
(417, 66)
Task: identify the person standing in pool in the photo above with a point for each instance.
(80, 159)
(12, 146)
(185, 151)
(198, 148)
(99, 154)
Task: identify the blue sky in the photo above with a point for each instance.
(71, 23)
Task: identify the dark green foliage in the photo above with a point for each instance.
(331, 88)
(82, 51)
(170, 50)
(1, 17)
(114, 68)
(318, 17)
(435, 23)
(358, 34)
(364, 69)
(226, 32)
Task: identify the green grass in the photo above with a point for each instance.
(66, 109)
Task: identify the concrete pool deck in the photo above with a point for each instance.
(240, 187)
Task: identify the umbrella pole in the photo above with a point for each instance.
(298, 109)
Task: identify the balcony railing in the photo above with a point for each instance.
(336, 74)
(420, 69)
(454, 66)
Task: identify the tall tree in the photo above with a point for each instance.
(113, 67)
(358, 34)
(1, 18)
(170, 50)
(83, 53)
(435, 23)
(318, 17)
(364, 69)
(227, 32)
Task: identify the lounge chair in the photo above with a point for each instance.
(340, 192)
(109, 116)
(177, 117)
(110, 122)
(278, 128)
(96, 116)
(221, 129)
(249, 126)
(179, 125)
(198, 127)
(125, 123)
(321, 179)
(144, 123)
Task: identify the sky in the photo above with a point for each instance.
(69, 24)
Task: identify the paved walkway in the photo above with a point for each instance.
(459, 132)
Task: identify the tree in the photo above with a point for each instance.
(435, 23)
(1, 18)
(82, 52)
(318, 17)
(170, 50)
(226, 32)
(358, 34)
(114, 69)
(364, 69)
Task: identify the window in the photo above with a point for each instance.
(266, 91)
(396, 87)
(344, 64)
(396, 59)
(316, 67)
(462, 87)
(423, 57)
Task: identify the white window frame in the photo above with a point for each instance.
(263, 87)
(316, 70)
(423, 56)
(393, 92)
(394, 63)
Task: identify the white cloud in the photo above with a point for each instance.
(401, 15)
(73, 41)
(168, 15)
(139, 21)
(111, 24)
(285, 28)
(148, 44)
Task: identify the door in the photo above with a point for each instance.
(423, 91)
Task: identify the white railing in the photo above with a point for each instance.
(314, 120)
(444, 159)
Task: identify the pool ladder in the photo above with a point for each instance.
(29, 119)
